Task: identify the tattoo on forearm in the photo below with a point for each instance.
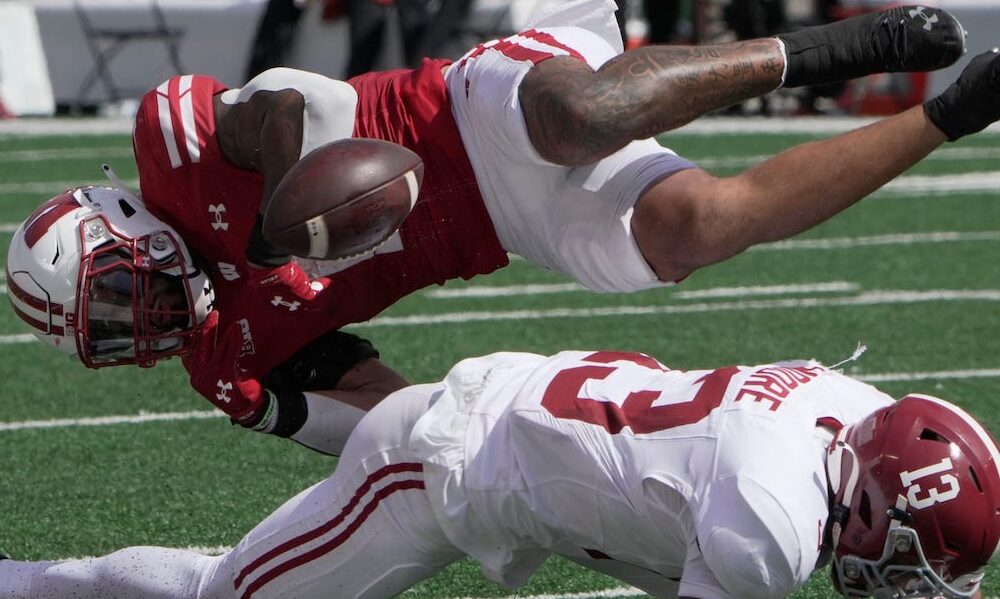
(640, 93)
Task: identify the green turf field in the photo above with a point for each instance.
(911, 272)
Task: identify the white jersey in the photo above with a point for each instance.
(712, 479)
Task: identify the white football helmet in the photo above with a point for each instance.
(99, 277)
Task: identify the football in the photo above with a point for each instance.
(343, 199)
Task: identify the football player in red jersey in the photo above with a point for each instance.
(739, 482)
(537, 144)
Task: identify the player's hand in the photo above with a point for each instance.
(972, 102)
(288, 276)
(216, 374)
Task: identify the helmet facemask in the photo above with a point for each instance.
(136, 301)
(99, 277)
(902, 570)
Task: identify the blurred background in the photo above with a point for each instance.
(84, 57)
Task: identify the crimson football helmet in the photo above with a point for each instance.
(916, 502)
(99, 277)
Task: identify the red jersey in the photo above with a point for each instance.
(187, 182)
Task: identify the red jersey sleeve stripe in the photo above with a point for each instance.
(549, 40)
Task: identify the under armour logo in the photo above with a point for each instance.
(279, 301)
(929, 20)
(224, 389)
(217, 212)
(228, 271)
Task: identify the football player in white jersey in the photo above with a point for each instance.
(737, 482)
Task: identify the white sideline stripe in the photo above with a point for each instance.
(808, 244)
(51, 188)
(830, 287)
(923, 376)
(31, 127)
(520, 290)
(705, 126)
(146, 417)
(64, 154)
(141, 418)
(939, 155)
(868, 298)
(937, 184)
(889, 239)
(905, 185)
(502, 291)
(818, 125)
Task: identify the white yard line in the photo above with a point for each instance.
(32, 127)
(952, 184)
(51, 188)
(140, 418)
(939, 155)
(147, 417)
(98, 154)
(870, 240)
(868, 298)
(820, 125)
(491, 291)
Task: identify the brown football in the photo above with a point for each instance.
(343, 198)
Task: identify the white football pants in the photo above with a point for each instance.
(366, 531)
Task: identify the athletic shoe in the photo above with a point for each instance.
(901, 39)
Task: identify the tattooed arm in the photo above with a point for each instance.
(577, 116)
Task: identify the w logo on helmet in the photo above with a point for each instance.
(46, 215)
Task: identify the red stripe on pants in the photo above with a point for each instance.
(366, 486)
(335, 542)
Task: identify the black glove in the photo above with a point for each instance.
(972, 102)
(262, 253)
(320, 365)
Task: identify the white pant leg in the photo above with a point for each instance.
(132, 573)
(366, 531)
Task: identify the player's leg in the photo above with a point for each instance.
(367, 531)
(133, 573)
(692, 219)
(576, 115)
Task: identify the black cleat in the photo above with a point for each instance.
(901, 39)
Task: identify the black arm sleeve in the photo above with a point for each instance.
(320, 365)
(259, 251)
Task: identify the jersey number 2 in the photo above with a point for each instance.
(562, 398)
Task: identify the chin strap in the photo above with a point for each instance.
(117, 182)
(840, 509)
